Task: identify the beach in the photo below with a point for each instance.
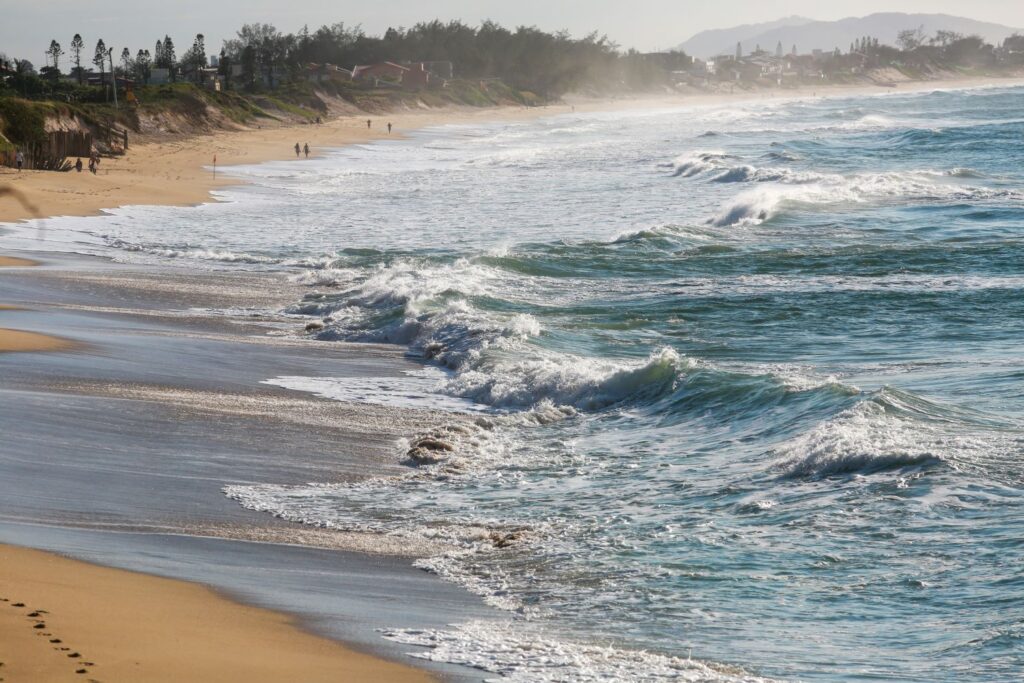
(63, 620)
(180, 171)
(137, 393)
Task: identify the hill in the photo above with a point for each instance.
(715, 41)
(808, 35)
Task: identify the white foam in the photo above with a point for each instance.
(520, 653)
(789, 189)
(417, 389)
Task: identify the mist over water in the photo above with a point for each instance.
(747, 381)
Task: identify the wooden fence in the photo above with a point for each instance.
(52, 153)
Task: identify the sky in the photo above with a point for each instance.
(27, 26)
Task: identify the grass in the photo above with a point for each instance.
(23, 121)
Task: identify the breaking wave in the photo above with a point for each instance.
(893, 430)
(700, 161)
(782, 188)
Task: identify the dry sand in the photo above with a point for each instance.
(59, 617)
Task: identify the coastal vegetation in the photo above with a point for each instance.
(264, 73)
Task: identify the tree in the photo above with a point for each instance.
(99, 58)
(944, 38)
(77, 45)
(143, 66)
(55, 52)
(164, 57)
(195, 59)
(268, 49)
(126, 62)
(910, 39)
(224, 68)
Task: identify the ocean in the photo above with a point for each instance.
(744, 383)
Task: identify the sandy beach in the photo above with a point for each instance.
(180, 172)
(155, 410)
(161, 405)
(63, 620)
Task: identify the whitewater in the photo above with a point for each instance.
(736, 393)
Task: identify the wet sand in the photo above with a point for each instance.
(64, 620)
(13, 262)
(161, 405)
(18, 340)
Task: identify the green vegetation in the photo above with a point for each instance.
(263, 73)
(23, 122)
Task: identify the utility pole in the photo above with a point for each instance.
(113, 76)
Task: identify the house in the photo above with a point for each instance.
(387, 71)
(440, 69)
(159, 76)
(319, 73)
(411, 75)
(416, 77)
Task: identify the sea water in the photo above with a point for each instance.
(745, 382)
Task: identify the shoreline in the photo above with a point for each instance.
(62, 619)
(177, 173)
(193, 186)
(160, 407)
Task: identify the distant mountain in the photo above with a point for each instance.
(709, 43)
(807, 34)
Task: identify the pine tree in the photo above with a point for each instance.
(143, 63)
(126, 62)
(224, 68)
(77, 45)
(195, 58)
(99, 57)
(170, 59)
(55, 52)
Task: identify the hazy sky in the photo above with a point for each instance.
(27, 26)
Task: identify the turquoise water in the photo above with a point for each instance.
(749, 380)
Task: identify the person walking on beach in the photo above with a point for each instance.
(298, 150)
(92, 165)
(19, 160)
(306, 150)
(389, 128)
(368, 124)
(78, 165)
